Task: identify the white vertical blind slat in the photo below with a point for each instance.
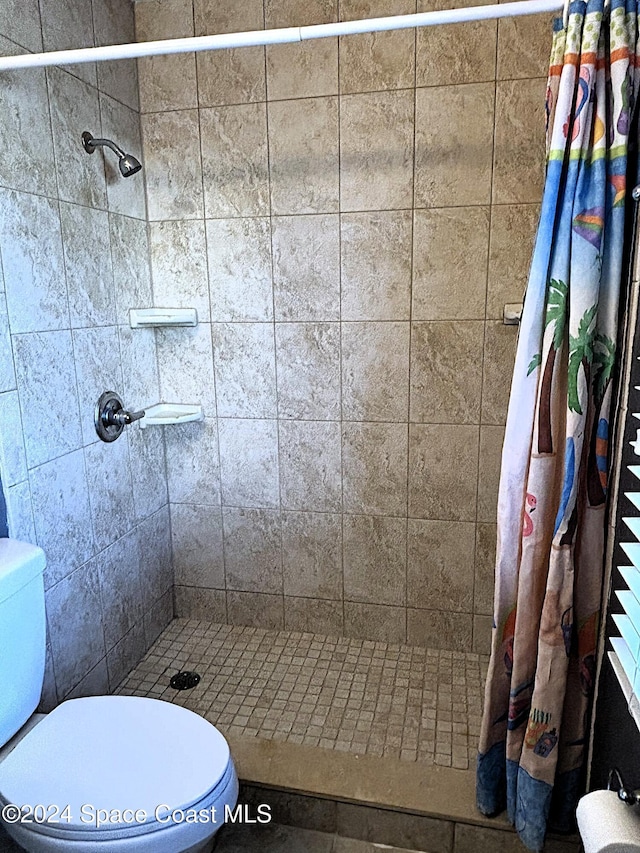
(626, 647)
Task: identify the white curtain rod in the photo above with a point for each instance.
(279, 36)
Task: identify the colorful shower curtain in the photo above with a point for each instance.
(551, 506)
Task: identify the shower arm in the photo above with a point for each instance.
(91, 143)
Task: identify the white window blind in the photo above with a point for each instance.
(625, 657)
(622, 569)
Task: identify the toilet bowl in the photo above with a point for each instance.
(119, 774)
(102, 774)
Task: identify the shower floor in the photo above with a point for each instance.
(352, 696)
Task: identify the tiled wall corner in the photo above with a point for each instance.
(74, 252)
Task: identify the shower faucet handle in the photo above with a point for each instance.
(126, 418)
(111, 417)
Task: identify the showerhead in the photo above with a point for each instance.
(129, 164)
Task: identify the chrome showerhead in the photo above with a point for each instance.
(129, 164)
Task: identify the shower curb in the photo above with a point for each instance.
(415, 806)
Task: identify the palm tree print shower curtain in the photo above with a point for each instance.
(553, 484)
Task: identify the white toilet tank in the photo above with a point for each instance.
(22, 633)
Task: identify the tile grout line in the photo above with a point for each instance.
(411, 274)
(341, 327)
(484, 341)
(336, 94)
(273, 325)
(211, 339)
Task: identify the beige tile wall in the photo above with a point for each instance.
(73, 246)
(364, 208)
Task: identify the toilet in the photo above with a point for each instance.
(122, 774)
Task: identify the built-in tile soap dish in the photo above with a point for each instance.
(148, 318)
(163, 414)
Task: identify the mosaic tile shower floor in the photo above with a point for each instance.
(357, 696)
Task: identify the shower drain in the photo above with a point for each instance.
(184, 680)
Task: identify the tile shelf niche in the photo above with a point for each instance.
(146, 318)
(163, 414)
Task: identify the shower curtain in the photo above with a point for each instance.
(553, 483)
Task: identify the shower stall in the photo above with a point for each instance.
(348, 218)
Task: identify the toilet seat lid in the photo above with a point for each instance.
(115, 752)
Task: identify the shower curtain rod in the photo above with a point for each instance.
(277, 36)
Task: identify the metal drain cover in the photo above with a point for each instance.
(184, 680)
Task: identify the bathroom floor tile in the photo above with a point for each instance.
(274, 838)
(269, 838)
(345, 694)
